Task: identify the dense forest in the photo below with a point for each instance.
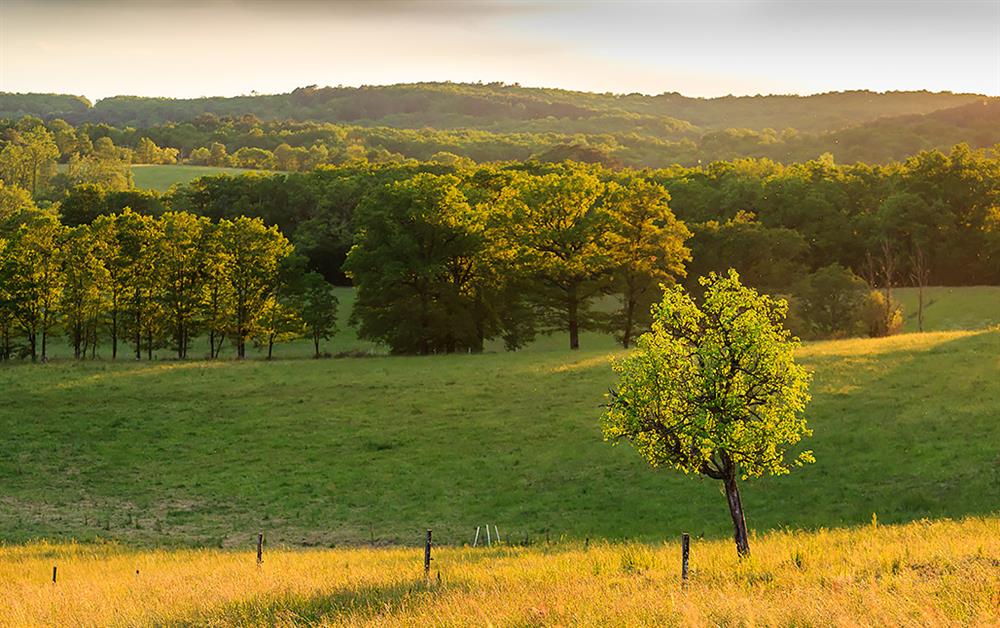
(496, 122)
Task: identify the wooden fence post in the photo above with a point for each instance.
(53, 574)
(685, 552)
(260, 548)
(427, 557)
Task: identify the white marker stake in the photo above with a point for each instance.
(489, 541)
(476, 540)
(497, 533)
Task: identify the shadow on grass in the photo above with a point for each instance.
(363, 602)
(909, 434)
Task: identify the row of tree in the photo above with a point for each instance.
(152, 283)
(800, 230)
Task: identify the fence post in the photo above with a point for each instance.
(260, 548)
(685, 552)
(427, 557)
(475, 541)
(53, 574)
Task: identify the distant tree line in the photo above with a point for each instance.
(500, 107)
(613, 139)
(129, 281)
(510, 250)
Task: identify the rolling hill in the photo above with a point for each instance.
(508, 122)
(502, 108)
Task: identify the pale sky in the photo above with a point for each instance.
(710, 48)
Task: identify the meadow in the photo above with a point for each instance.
(951, 308)
(161, 177)
(941, 573)
(146, 483)
(373, 450)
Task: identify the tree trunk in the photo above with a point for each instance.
(316, 344)
(180, 340)
(736, 512)
(920, 307)
(572, 316)
(630, 306)
(138, 338)
(45, 338)
(114, 334)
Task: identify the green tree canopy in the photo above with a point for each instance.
(714, 389)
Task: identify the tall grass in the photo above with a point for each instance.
(919, 574)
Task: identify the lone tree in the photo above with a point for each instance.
(713, 390)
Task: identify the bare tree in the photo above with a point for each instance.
(920, 274)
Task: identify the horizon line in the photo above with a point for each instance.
(504, 84)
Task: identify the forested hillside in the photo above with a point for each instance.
(497, 122)
(500, 107)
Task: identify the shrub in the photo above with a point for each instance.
(881, 319)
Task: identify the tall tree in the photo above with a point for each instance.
(646, 246)
(34, 280)
(7, 321)
(84, 281)
(29, 160)
(181, 269)
(561, 227)
(216, 295)
(254, 253)
(413, 264)
(318, 309)
(713, 390)
(128, 248)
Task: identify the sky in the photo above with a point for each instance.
(188, 48)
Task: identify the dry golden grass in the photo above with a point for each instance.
(919, 574)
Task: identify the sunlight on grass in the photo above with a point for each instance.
(587, 363)
(138, 371)
(877, 346)
(923, 573)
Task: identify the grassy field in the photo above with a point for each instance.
(364, 454)
(947, 309)
(939, 573)
(375, 449)
(160, 178)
